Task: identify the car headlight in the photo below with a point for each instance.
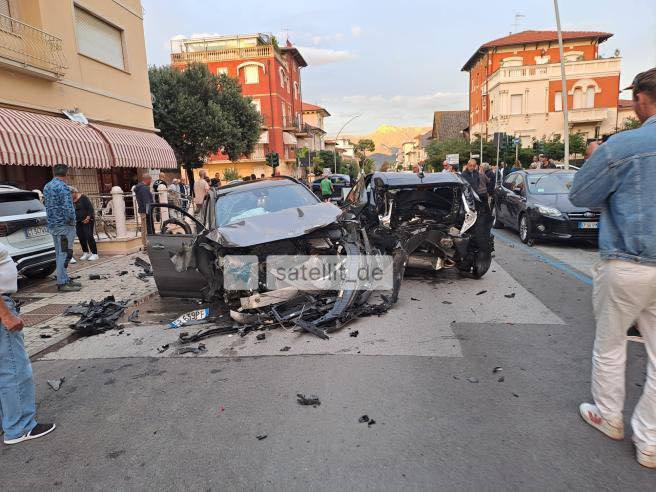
(549, 211)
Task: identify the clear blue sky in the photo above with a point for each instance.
(397, 61)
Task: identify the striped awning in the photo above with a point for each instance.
(264, 137)
(31, 139)
(289, 139)
(132, 148)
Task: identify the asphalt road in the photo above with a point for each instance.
(130, 418)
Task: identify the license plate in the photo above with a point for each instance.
(36, 231)
(588, 225)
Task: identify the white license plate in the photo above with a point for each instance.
(36, 231)
(588, 225)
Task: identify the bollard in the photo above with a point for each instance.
(163, 194)
(118, 209)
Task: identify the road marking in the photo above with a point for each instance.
(552, 262)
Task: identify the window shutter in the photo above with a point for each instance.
(589, 97)
(516, 104)
(4, 7)
(99, 40)
(251, 74)
(558, 101)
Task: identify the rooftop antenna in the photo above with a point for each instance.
(286, 31)
(518, 17)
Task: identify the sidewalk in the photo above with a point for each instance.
(42, 306)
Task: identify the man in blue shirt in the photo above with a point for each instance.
(620, 177)
(61, 224)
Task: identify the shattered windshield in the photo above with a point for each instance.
(550, 184)
(238, 205)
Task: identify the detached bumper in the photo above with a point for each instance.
(37, 259)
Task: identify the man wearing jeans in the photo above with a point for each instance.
(17, 406)
(620, 177)
(61, 224)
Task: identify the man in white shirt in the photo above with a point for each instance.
(17, 402)
(201, 187)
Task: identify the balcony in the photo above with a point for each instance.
(263, 51)
(587, 115)
(28, 49)
(574, 70)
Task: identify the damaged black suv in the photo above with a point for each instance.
(428, 216)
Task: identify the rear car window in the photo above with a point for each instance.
(19, 203)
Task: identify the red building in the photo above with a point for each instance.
(515, 86)
(271, 76)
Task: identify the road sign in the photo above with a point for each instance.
(516, 141)
(453, 158)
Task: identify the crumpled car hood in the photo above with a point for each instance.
(286, 224)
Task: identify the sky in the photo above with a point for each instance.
(395, 62)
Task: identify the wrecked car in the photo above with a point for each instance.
(434, 219)
(405, 216)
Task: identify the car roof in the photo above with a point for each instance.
(393, 179)
(257, 184)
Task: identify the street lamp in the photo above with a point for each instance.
(338, 133)
(563, 94)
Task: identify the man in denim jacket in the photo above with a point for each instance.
(620, 177)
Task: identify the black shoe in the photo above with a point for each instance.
(634, 334)
(73, 282)
(39, 430)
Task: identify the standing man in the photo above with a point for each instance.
(17, 404)
(61, 224)
(446, 167)
(326, 188)
(144, 198)
(201, 187)
(620, 176)
(471, 174)
(84, 222)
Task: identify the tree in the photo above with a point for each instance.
(230, 174)
(200, 114)
(437, 151)
(631, 123)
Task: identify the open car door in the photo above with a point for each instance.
(169, 230)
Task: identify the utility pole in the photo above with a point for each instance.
(337, 137)
(563, 77)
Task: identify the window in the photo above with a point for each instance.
(573, 56)
(589, 97)
(99, 40)
(251, 74)
(558, 101)
(222, 71)
(281, 72)
(512, 61)
(577, 102)
(284, 115)
(516, 104)
(4, 8)
(257, 105)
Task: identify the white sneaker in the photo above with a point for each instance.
(645, 458)
(92, 257)
(590, 413)
(85, 256)
(73, 260)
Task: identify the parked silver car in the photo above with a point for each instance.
(23, 230)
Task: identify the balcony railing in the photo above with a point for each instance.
(587, 115)
(573, 70)
(210, 55)
(24, 47)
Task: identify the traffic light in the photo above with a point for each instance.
(273, 159)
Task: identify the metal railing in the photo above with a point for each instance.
(219, 55)
(30, 47)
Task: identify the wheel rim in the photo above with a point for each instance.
(523, 229)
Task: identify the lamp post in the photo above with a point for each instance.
(563, 77)
(337, 137)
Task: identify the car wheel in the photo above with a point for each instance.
(524, 229)
(42, 272)
(482, 262)
(496, 222)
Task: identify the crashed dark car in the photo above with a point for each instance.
(399, 215)
(432, 218)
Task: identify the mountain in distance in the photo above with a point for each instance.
(389, 138)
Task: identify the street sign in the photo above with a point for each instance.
(516, 141)
(453, 158)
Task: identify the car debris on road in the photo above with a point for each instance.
(96, 316)
(310, 400)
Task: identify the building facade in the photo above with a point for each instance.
(515, 86)
(86, 58)
(271, 76)
(313, 133)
